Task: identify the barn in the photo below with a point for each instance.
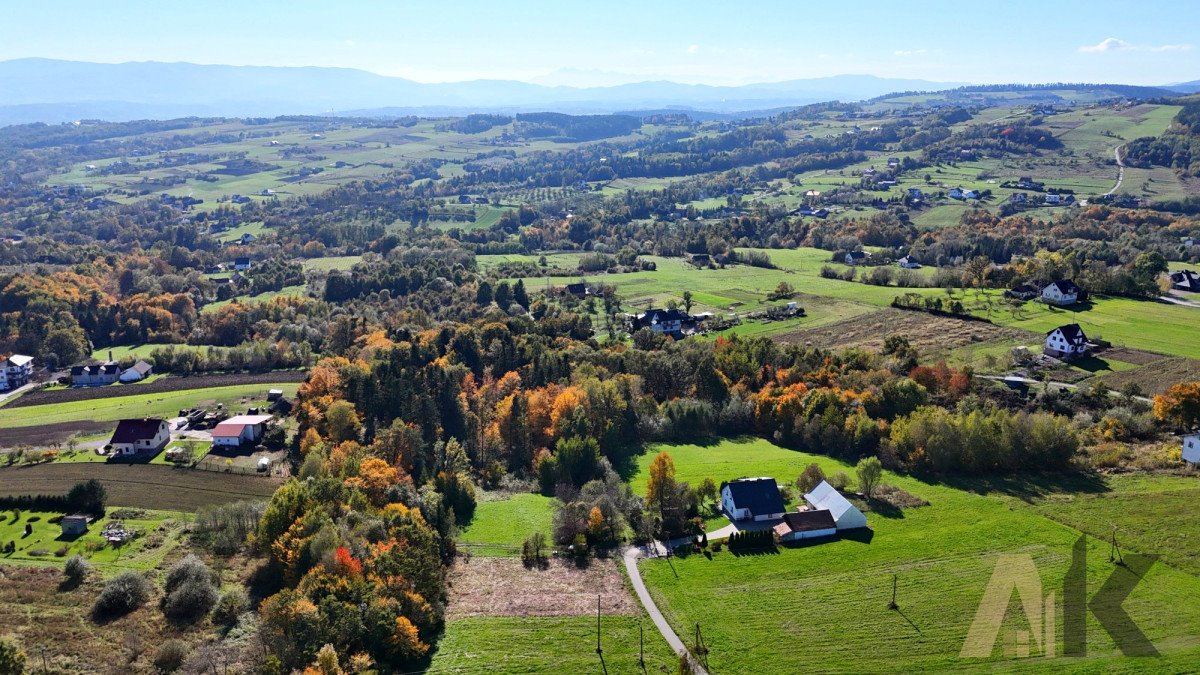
(239, 429)
(845, 515)
(799, 525)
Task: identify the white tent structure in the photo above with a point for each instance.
(845, 515)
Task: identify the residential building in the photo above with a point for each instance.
(15, 371)
(669, 321)
(239, 430)
(95, 375)
(137, 436)
(909, 263)
(241, 264)
(752, 499)
(1025, 291)
(1062, 293)
(1185, 280)
(856, 257)
(74, 525)
(1066, 342)
(1191, 448)
(845, 515)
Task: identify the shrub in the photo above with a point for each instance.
(170, 656)
(233, 604)
(121, 595)
(77, 568)
(190, 601)
(12, 657)
(190, 568)
(839, 481)
(62, 551)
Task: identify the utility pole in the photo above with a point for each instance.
(598, 649)
(892, 604)
(641, 645)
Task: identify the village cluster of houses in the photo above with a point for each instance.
(908, 262)
(15, 371)
(825, 513)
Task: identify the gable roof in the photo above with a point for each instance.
(807, 521)
(234, 425)
(1072, 332)
(19, 360)
(759, 495)
(1064, 286)
(141, 368)
(132, 431)
(824, 497)
(857, 255)
(663, 315)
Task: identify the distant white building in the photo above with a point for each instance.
(15, 371)
(845, 515)
(1191, 448)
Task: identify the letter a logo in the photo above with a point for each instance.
(1012, 572)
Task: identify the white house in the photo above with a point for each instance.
(1191, 448)
(15, 371)
(141, 435)
(138, 371)
(752, 499)
(970, 194)
(799, 525)
(845, 515)
(668, 321)
(1066, 342)
(1062, 293)
(855, 257)
(909, 263)
(239, 429)
(95, 375)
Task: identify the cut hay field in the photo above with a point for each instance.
(145, 486)
(832, 597)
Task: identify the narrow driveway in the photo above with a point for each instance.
(1120, 170)
(631, 556)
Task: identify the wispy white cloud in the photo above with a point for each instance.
(1113, 44)
(693, 49)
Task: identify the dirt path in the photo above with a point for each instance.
(1120, 169)
(630, 557)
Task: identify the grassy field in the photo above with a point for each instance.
(145, 486)
(160, 532)
(340, 263)
(832, 595)
(505, 523)
(286, 291)
(167, 404)
(549, 645)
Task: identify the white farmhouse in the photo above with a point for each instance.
(135, 436)
(15, 371)
(752, 499)
(845, 515)
(1066, 342)
(1191, 448)
(1061, 293)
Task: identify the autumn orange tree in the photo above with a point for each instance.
(1180, 405)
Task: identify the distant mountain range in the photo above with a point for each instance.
(1185, 87)
(48, 90)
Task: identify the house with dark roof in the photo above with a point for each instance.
(909, 263)
(95, 374)
(668, 321)
(1025, 291)
(578, 289)
(811, 524)
(845, 515)
(241, 264)
(1185, 280)
(1066, 342)
(856, 257)
(752, 499)
(1062, 293)
(137, 436)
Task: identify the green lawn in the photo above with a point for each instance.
(1141, 324)
(831, 598)
(549, 645)
(341, 263)
(139, 405)
(286, 291)
(160, 532)
(506, 523)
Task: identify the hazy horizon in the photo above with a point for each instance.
(620, 43)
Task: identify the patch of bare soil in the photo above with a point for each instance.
(48, 433)
(504, 587)
(1135, 356)
(928, 333)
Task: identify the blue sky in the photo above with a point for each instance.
(590, 43)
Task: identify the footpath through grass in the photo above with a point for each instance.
(812, 608)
